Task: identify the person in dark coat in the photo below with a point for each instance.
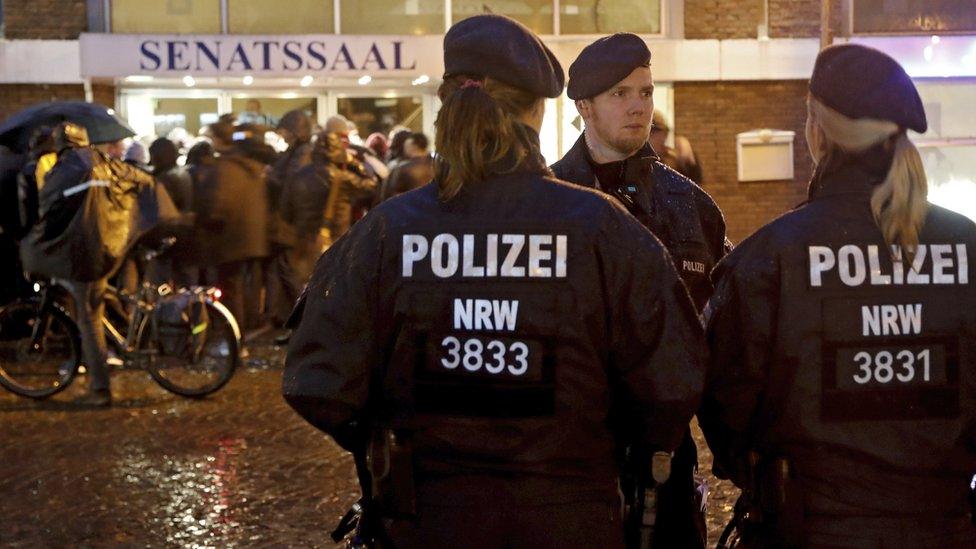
(842, 387)
(612, 85)
(179, 265)
(234, 212)
(413, 173)
(496, 333)
(295, 128)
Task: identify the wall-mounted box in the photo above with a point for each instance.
(765, 155)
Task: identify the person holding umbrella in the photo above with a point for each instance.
(89, 217)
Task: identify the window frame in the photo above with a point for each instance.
(664, 19)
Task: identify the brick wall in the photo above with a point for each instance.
(710, 114)
(801, 18)
(14, 97)
(722, 19)
(44, 19)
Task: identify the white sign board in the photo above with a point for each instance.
(176, 55)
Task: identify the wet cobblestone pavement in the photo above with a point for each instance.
(238, 469)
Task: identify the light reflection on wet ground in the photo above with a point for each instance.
(239, 469)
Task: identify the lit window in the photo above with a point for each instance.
(168, 16)
(392, 17)
(596, 17)
(913, 16)
(301, 17)
(535, 14)
(948, 148)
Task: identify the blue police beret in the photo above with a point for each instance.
(862, 82)
(505, 50)
(606, 62)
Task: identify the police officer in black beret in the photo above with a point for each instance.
(843, 367)
(470, 336)
(612, 85)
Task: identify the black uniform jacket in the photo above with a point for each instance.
(859, 369)
(677, 211)
(496, 330)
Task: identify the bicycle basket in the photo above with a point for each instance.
(180, 324)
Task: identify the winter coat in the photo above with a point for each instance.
(234, 208)
(507, 333)
(677, 211)
(854, 364)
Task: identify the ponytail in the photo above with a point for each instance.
(477, 126)
(899, 204)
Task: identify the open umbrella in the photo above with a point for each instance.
(102, 124)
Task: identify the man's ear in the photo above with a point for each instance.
(584, 106)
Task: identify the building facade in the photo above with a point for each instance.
(723, 69)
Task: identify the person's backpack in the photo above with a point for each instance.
(180, 323)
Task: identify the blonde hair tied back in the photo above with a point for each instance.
(899, 204)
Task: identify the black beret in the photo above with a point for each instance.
(505, 50)
(862, 82)
(606, 62)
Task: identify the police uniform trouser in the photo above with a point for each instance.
(89, 302)
(584, 524)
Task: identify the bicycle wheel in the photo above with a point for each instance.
(207, 364)
(39, 350)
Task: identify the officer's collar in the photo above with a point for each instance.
(854, 174)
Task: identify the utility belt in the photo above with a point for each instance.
(641, 494)
(770, 509)
(386, 478)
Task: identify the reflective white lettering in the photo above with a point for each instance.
(491, 263)
(463, 314)
(482, 315)
(469, 268)
(850, 265)
(517, 242)
(911, 318)
(914, 275)
(443, 262)
(414, 249)
(874, 263)
(963, 262)
(561, 256)
(870, 321)
(537, 255)
(506, 312)
(821, 260)
(941, 260)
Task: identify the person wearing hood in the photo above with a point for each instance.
(488, 339)
(842, 380)
(234, 212)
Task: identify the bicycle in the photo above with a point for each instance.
(40, 346)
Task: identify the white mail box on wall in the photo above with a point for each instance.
(765, 155)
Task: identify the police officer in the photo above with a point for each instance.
(612, 85)
(472, 335)
(843, 336)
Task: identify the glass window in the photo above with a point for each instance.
(267, 111)
(166, 16)
(948, 148)
(596, 17)
(392, 16)
(535, 14)
(912, 16)
(187, 113)
(301, 17)
(381, 114)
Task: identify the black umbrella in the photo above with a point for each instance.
(103, 124)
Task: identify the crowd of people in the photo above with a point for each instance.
(246, 218)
